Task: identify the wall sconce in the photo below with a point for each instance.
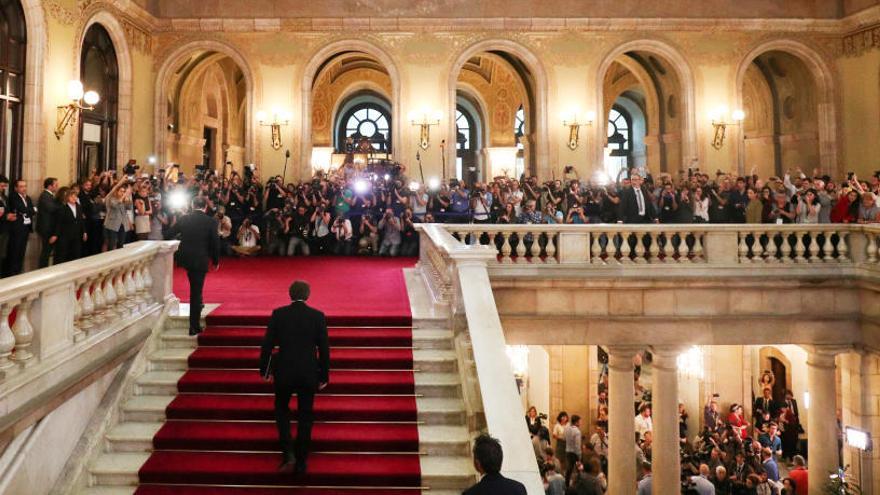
(279, 118)
(67, 113)
(425, 120)
(720, 123)
(574, 124)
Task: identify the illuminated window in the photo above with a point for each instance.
(12, 57)
(519, 126)
(369, 121)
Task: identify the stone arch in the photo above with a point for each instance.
(534, 64)
(354, 89)
(34, 135)
(123, 60)
(172, 61)
(826, 90)
(310, 72)
(686, 79)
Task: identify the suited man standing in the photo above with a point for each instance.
(20, 213)
(47, 208)
(635, 207)
(199, 244)
(4, 224)
(70, 229)
(488, 457)
(301, 367)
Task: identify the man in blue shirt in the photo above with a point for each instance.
(771, 440)
(770, 466)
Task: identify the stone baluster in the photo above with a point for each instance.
(871, 249)
(140, 288)
(551, 248)
(828, 248)
(133, 301)
(24, 333)
(624, 248)
(785, 248)
(596, 249)
(842, 247)
(640, 247)
(121, 296)
(7, 338)
(492, 240)
(110, 300)
(743, 248)
(654, 249)
(799, 248)
(520, 245)
(813, 248)
(87, 309)
(505, 247)
(535, 248)
(771, 247)
(148, 281)
(668, 248)
(758, 249)
(100, 316)
(78, 333)
(621, 427)
(698, 254)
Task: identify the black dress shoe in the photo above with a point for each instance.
(301, 467)
(195, 331)
(288, 463)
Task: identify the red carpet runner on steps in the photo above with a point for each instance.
(220, 437)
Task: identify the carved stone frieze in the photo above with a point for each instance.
(60, 13)
(857, 43)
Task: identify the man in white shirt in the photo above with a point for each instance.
(643, 421)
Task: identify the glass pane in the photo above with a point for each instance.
(361, 114)
(381, 122)
(9, 117)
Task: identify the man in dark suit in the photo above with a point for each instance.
(487, 461)
(301, 367)
(4, 224)
(635, 205)
(47, 208)
(20, 215)
(199, 244)
(765, 404)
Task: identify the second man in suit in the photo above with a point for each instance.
(69, 232)
(199, 245)
(301, 367)
(47, 208)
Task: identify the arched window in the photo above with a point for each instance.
(619, 132)
(366, 120)
(519, 126)
(13, 31)
(99, 71)
(463, 128)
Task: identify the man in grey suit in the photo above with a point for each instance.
(47, 209)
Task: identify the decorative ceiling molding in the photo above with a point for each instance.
(861, 41)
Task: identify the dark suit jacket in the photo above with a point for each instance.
(4, 225)
(496, 484)
(199, 241)
(47, 207)
(629, 207)
(300, 333)
(759, 405)
(67, 225)
(22, 208)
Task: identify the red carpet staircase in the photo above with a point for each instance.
(219, 435)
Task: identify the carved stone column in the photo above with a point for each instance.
(664, 406)
(822, 420)
(621, 421)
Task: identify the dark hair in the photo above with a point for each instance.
(199, 203)
(299, 290)
(487, 451)
(561, 415)
(48, 182)
(4, 179)
(575, 419)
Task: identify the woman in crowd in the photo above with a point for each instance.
(70, 228)
(117, 223)
(559, 434)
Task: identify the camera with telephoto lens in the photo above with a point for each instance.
(542, 416)
(130, 169)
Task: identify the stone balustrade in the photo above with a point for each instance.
(59, 323)
(604, 245)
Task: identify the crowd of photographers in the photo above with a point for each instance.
(373, 209)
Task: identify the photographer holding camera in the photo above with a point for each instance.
(390, 227)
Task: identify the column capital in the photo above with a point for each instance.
(822, 356)
(620, 357)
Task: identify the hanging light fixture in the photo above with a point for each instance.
(691, 363)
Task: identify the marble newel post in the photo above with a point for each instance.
(664, 408)
(621, 421)
(822, 420)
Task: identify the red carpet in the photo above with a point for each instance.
(220, 435)
(352, 291)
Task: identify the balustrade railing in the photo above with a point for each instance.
(673, 244)
(48, 311)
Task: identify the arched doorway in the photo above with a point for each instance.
(99, 71)
(469, 139)
(13, 47)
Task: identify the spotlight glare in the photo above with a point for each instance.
(387, 177)
(178, 200)
(434, 183)
(361, 186)
(413, 186)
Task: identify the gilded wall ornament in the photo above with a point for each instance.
(60, 13)
(857, 43)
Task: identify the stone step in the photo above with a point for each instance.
(146, 408)
(444, 440)
(432, 339)
(109, 490)
(132, 437)
(169, 359)
(438, 385)
(117, 469)
(158, 383)
(178, 339)
(440, 411)
(435, 361)
(447, 472)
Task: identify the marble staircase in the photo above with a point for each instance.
(444, 438)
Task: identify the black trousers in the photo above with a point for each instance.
(305, 401)
(68, 249)
(46, 250)
(14, 262)
(196, 286)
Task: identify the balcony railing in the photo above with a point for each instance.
(674, 244)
